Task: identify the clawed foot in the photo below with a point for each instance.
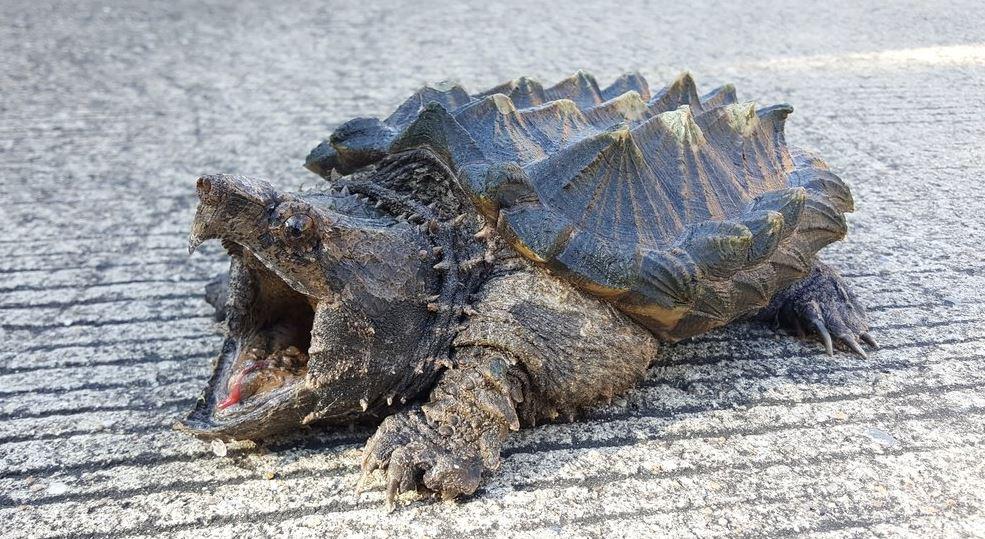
(822, 305)
(413, 454)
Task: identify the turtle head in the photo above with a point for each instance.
(326, 308)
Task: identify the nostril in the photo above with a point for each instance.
(204, 186)
(208, 190)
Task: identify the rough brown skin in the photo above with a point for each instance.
(391, 296)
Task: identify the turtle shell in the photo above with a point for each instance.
(685, 211)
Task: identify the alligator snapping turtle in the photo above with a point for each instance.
(482, 262)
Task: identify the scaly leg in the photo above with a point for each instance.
(446, 444)
(535, 349)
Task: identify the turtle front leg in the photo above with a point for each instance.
(445, 445)
(536, 349)
(822, 305)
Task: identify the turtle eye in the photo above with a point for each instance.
(298, 226)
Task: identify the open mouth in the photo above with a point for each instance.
(272, 336)
(258, 386)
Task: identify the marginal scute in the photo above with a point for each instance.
(359, 142)
(323, 159)
(822, 224)
(827, 186)
(807, 159)
(753, 288)
(792, 262)
(712, 307)
(666, 278)
(605, 267)
(534, 231)
(507, 185)
(766, 228)
(720, 248)
(363, 141)
(685, 210)
(789, 203)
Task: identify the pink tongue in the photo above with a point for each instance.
(236, 391)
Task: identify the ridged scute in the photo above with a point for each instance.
(685, 210)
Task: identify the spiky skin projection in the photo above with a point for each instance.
(486, 262)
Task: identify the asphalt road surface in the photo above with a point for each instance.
(109, 112)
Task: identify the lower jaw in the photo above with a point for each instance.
(275, 412)
(294, 405)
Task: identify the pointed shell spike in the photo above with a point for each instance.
(681, 124)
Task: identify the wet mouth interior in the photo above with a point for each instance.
(272, 351)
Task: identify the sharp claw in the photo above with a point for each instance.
(392, 488)
(869, 340)
(825, 337)
(370, 462)
(363, 480)
(853, 344)
(367, 454)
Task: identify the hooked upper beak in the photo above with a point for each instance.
(224, 202)
(200, 230)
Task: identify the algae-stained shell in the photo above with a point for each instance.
(684, 210)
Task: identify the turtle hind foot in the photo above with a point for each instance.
(823, 306)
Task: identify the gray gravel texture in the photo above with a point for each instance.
(109, 111)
